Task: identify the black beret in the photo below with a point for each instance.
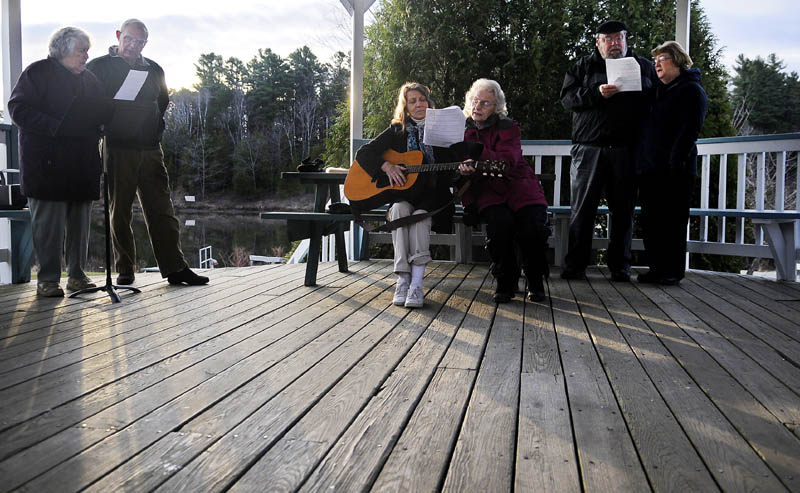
(609, 27)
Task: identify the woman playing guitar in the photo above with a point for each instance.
(432, 190)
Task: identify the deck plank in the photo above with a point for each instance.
(185, 403)
(546, 459)
(670, 462)
(483, 459)
(257, 382)
(357, 456)
(289, 463)
(766, 436)
(607, 457)
(154, 387)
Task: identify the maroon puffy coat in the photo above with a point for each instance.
(519, 187)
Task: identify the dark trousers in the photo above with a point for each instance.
(133, 172)
(527, 229)
(595, 172)
(665, 204)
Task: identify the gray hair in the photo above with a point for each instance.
(676, 51)
(486, 85)
(64, 41)
(134, 22)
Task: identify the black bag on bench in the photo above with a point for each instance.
(11, 197)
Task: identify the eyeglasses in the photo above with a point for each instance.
(619, 38)
(137, 42)
(477, 103)
(661, 59)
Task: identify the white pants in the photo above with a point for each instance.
(411, 243)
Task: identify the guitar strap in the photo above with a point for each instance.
(413, 218)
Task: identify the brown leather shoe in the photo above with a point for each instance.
(125, 279)
(49, 289)
(78, 283)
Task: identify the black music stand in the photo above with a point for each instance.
(127, 121)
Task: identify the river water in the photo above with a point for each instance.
(233, 239)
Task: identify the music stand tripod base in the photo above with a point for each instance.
(109, 287)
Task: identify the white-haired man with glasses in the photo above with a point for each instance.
(605, 126)
(136, 165)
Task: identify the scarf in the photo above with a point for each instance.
(416, 134)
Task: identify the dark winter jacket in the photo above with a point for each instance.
(519, 186)
(434, 186)
(668, 141)
(112, 70)
(52, 166)
(595, 119)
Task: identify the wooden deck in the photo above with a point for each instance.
(257, 383)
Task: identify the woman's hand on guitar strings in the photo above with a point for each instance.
(395, 172)
(466, 168)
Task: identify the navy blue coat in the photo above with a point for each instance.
(54, 167)
(668, 142)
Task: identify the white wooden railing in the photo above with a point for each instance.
(766, 179)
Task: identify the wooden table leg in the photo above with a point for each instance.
(312, 260)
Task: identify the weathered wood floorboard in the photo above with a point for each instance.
(258, 383)
(546, 459)
(670, 462)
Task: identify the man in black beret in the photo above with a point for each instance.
(605, 124)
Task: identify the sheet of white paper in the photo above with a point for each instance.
(132, 85)
(444, 127)
(624, 73)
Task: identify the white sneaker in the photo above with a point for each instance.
(414, 298)
(400, 292)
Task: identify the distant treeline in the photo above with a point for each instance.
(244, 123)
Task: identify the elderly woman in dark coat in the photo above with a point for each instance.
(514, 207)
(59, 166)
(667, 162)
(411, 242)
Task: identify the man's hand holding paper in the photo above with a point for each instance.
(624, 73)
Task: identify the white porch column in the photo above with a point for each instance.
(12, 67)
(12, 50)
(356, 8)
(682, 18)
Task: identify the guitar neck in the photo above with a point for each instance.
(422, 168)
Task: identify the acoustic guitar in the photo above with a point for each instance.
(365, 193)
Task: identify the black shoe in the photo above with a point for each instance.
(620, 276)
(669, 281)
(573, 274)
(502, 297)
(536, 296)
(186, 276)
(648, 277)
(125, 279)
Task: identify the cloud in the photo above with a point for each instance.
(180, 31)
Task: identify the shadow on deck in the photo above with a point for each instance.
(257, 383)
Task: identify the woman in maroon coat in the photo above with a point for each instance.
(513, 207)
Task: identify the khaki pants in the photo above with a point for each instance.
(411, 243)
(133, 172)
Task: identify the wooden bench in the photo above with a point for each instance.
(780, 228)
(20, 253)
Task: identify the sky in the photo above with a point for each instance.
(181, 30)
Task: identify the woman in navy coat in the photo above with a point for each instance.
(59, 163)
(666, 162)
